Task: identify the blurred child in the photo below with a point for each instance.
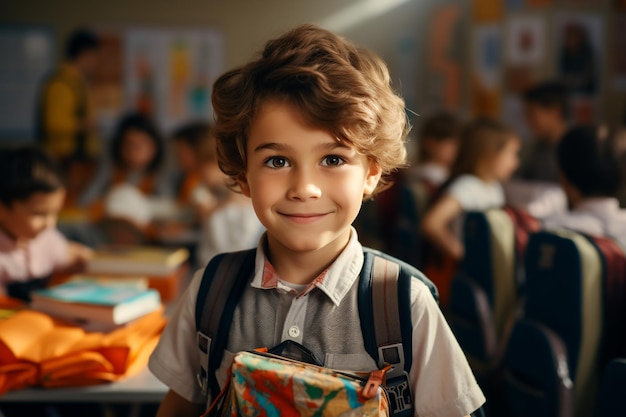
(488, 155)
(591, 176)
(547, 110)
(31, 249)
(137, 152)
(229, 222)
(437, 149)
(192, 151)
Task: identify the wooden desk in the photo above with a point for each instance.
(140, 388)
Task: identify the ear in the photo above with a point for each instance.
(372, 178)
(243, 185)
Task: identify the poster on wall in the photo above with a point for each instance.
(32, 56)
(525, 40)
(169, 73)
(443, 78)
(579, 50)
(525, 51)
(486, 69)
(578, 46)
(618, 47)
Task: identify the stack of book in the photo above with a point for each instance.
(163, 267)
(97, 305)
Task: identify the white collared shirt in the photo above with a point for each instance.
(598, 216)
(325, 319)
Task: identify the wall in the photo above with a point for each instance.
(392, 28)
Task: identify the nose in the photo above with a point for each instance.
(303, 185)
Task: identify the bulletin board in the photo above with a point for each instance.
(28, 55)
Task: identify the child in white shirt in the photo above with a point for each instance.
(488, 155)
(591, 176)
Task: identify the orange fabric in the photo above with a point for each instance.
(35, 349)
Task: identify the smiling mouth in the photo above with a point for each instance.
(304, 218)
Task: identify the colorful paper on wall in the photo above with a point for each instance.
(524, 51)
(443, 80)
(485, 11)
(169, 73)
(486, 70)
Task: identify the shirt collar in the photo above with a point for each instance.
(335, 281)
(6, 242)
(598, 205)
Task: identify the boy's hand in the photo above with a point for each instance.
(78, 255)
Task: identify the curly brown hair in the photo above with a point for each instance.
(336, 85)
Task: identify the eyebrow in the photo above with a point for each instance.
(327, 146)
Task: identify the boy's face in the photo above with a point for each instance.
(138, 149)
(541, 119)
(306, 187)
(25, 219)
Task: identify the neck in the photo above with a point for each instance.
(302, 267)
(484, 175)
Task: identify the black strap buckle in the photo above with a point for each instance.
(400, 398)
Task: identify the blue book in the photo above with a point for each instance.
(83, 301)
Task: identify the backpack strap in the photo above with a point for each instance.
(223, 283)
(385, 314)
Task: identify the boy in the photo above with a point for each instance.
(591, 176)
(31, 195)
(307, 131)
(546, 108)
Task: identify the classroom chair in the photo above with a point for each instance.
(486, 293)
(614, 295)
(612, 389)
(413, 199)
(552, 357)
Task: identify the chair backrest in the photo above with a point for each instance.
(614, 288)
(489, 239)
(413, 199)
(612, 389)
(564, 295)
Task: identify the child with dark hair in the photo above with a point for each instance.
(31, 249)
(136, 152)
(591, 175)
(193, 150)
(547, 110)
(438, 143)
(307, 131)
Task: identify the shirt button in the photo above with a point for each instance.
(294, 331)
